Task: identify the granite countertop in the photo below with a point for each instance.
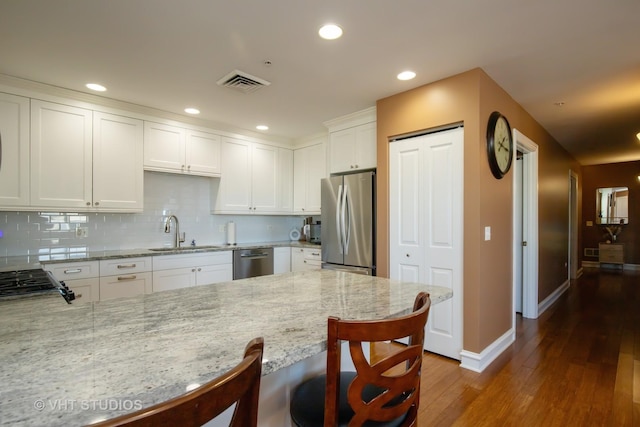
(72, 364)
(36, 260)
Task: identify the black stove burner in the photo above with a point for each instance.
(27, 282)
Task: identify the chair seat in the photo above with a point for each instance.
(307, 403)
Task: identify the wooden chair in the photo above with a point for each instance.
(241, 384)
(385, 393)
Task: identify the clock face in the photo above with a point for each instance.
(499, 144)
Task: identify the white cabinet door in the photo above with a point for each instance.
(14, 166)
(264, 182)
(177, 278)
(281, 260)
(284, 181)
(304, 259)
(118, 163)
(164, 147)
(202, 155)
(61, 156)
(309, 169)
(353, 148)
(85, 290)
(125, 285)
(256, 179)
(209, 274)
(425, 239)
(232, 192)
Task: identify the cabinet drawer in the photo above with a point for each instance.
(166, 262)
(112, 267)
(125, 285)
(312, 254)
(74, 270)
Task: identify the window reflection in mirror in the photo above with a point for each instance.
(612, 205)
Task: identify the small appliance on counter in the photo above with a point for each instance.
(314, 233)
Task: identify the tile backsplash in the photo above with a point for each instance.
(187, 197)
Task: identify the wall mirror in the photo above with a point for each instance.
(612, 205)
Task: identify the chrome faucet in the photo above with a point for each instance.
(167, 229)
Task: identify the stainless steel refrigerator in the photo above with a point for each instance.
(348, 222)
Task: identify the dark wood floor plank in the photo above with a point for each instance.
(578, 364)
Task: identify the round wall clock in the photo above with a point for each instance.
(499, 144)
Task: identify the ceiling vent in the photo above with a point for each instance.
(242, 81)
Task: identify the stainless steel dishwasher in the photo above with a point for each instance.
(252, 262)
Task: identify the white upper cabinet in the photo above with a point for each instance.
(353, 148)
(179, 150)
(352, 142)
(117, 167)
(256, 179)
(14, 155)
(309, 169)
(61, 156)
(202, 153)
(85, 160)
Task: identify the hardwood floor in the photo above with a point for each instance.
(576, 365)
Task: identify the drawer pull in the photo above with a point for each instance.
(126, 266)
(73, 271)
(132, 277)
(315, 253)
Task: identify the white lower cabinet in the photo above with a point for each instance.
(186, 270)
(305, 259)
(125, 277)
(281, 260)
(82, 277)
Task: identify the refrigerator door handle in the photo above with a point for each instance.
(338, 221)
(346, 219)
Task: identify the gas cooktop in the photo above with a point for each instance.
(33, 281)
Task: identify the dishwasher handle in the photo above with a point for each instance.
(255, 256)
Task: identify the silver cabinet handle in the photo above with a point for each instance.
(73, 271)
(254, 256)
(132, 277)
(120, 266)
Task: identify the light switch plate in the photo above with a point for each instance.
(487, 233)
(589, 223)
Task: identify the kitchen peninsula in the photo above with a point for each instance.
(76, 364)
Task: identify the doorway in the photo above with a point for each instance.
(525, 228)
(573, 225)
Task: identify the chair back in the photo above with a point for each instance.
(396, 377)
(195, 408)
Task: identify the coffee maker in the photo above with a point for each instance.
(311, 231)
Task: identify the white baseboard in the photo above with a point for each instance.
(548, 301)
(478, 362)
(596, 264)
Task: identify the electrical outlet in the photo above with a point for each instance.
(221, 228)
(82, 231)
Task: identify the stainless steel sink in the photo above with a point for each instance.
(187, 248)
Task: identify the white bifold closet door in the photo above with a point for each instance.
(426, 226)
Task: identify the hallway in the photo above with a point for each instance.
(577, 365)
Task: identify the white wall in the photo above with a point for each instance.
(187, 197)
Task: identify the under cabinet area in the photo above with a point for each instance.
(183, 271)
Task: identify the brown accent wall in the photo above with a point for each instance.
(612, 175)
(470, 98)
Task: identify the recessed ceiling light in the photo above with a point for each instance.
(330, 32)
(406, 75)
(262, 127)
(96, 87)
(191, 110)
(638, 135)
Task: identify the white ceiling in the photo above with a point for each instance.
(169, 54)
